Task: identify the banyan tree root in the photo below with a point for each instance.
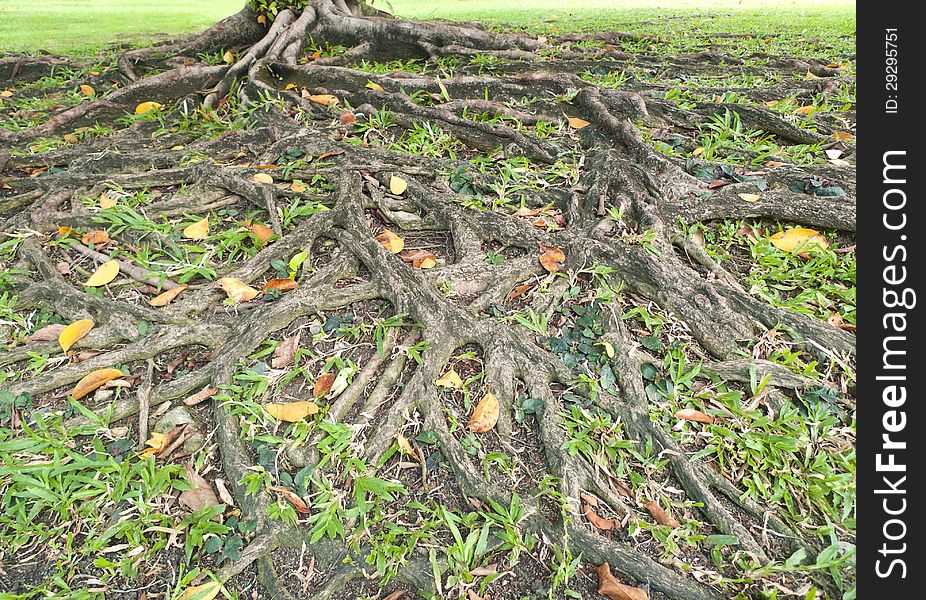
(621, 171)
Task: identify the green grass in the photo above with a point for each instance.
(85, 25)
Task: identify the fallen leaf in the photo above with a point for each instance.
(206, 591)
(347, 118)
(323, 99)
(485, 415)
(65, 232)
(805, 110)
(6, 94)
(835, 319)
(298, 187)
(490, 569)
(526, 212)
(104, 274)
(285, 353)
(157, 443)
(451, 380)
(405, 447)
(87, 91)
(615, 590)
(198, 230)
(236, 289)
(70, 138)
(289, 86)
(47, 333)
(690, 414)
(660, 515)
(845, 136)
(420, 259)
(201, 495)
(107, 201)
(229, 57)
(390, 241)
(577, 123)
(600, 523)
(799, 238)
(374, 86)
(291, 411)
(323, 385)
(397, 185)
(291, 497)
(551, 258)
(262, 232)
(73, 332)
(93, 381)
(167, 296)
(262, 177)
(94, 237)
(749, 197)
(200, 396)
(281, 284)
(147, 106)
(519, 291)
(262, 19)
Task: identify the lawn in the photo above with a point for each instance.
(82, 25)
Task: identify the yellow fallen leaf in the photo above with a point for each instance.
(749, 197)
(323, 99)
(94, 380)
(70, 138)
(206, 591)
(104, 274)
(87, 91)
(263, 177)
(427, 263)
(262, 232)
(290, 86)
(450, 379)
(167, 296)
(698, 151)
(577, 123)
(298, 187)
(229, 57)
(107, 201)
(391, 241)
(157, 443)
(94, 237)
(236, 289)
(843, 135)
(485, 415)
(197, 230)
(405, 447)
(291, 411)
(262, 19)
(799, 238)
(73, 332)
(6, 93)
(805, 110)
(147, 106)
(552, 258)
(374, 86)
(810, 75)
(397, 185)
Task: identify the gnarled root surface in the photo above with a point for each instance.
(618, 171)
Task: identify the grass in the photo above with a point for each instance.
(87, 25)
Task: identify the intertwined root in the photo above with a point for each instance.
(620, 171)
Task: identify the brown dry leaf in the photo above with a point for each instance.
(485, 415)
(588, 498)
(490, 569)
(835, 319)
(397, 185)
(420, 259)
(94, 380)
(397, 595)
(347, 118)
(262, 19)
(281, 284)
(799, 238)
(614, 589)
(450, 379)
(94, 237)
(600, 523)
(65, 232)
(518, 291)
(262, 177)
(805, 110)
(200, 396)
(323, 385)
(201, 495)
(291, 412)
(323, 99)
(690, 414)
(206, 591)
(844, 136)
(107, 201)
(660, 515)
(47, 333)
(526, 212)
(698, 238)
(285, 353)
(749, 197)
(73, 332)
(104, 274)
(198, 230)
(405, 447)
(552, 258)
(236, 289)
(262, 232)
(70, 138)
(87, 91)
(298, 187)
(717, 184)
(577, 123)
(292, 497)
(328, 154)
(167, 296)
(390, 241)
